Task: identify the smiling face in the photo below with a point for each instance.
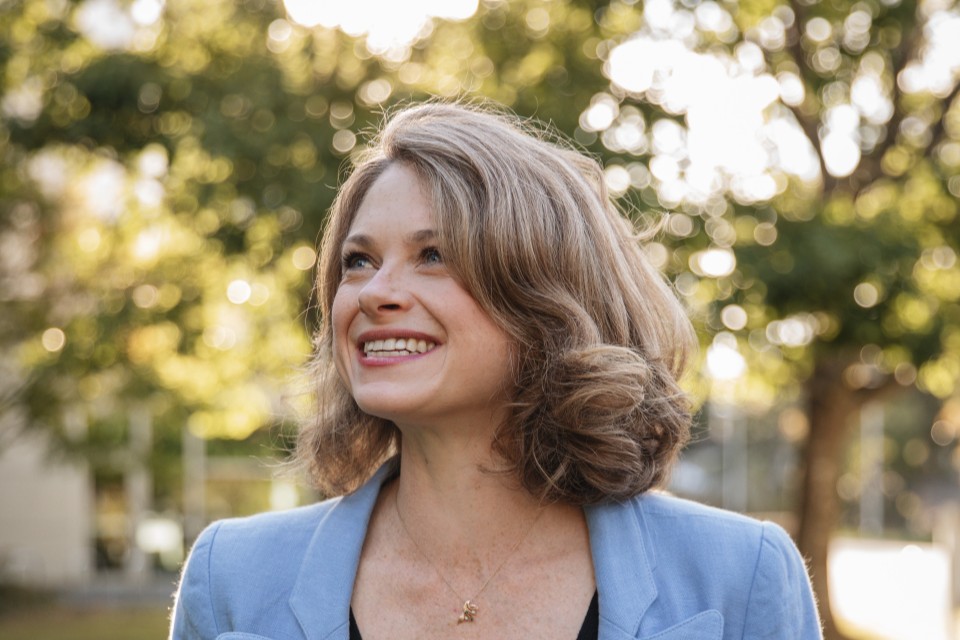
(410, 343)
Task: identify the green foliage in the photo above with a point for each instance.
(160, 198)
(864, 257)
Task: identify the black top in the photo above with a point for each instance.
(589, 631)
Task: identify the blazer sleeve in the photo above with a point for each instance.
(781, 603)
(193, 617)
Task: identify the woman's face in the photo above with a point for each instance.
(410, 343)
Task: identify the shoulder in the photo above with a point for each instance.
(270, 529)
(662, 513)
(273, 540)
(242, 569)
(241, 559)
(666, 505)
(715, 556)
(680, 530)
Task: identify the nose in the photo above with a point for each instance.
(384, 292)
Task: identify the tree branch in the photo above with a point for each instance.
(870, 169)
(939, 130)
(809, 123)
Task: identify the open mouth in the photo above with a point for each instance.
(393, 347)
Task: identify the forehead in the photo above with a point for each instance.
(395, 201)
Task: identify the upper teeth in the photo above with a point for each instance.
(397, 346)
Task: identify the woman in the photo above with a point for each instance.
(497, 370)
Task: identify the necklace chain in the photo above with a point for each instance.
(470, 608)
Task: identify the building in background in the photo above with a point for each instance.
(46, 515)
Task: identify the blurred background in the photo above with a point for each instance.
(167, 167)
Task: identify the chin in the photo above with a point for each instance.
(384, 408)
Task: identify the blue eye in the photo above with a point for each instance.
(354, 260)
(431, 255)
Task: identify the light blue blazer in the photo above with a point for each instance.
(666, 569)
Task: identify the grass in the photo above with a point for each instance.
(52, 622)
(28, 614)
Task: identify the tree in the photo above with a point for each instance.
(167, 169)
(836, 256)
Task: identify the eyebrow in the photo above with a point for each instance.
(417, 237)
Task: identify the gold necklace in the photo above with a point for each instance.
(470, 608)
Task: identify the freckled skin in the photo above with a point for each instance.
(395, 281)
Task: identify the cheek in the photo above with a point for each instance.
(493, 347)
(343, 310)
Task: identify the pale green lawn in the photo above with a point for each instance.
(48, 622)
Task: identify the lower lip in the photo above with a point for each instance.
(386, 361)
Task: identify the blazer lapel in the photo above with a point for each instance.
(321, 595)
(623, 569)
(622, 565)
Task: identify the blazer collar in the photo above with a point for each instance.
(321, 595)
(621, 565)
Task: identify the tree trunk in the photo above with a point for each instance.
(831, 406)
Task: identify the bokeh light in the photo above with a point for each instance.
(53, 339)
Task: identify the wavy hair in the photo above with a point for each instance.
(527, 225)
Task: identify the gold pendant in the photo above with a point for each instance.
(470, 612)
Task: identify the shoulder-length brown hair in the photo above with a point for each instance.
(529, 228)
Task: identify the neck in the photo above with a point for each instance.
(463, 515)
(460, 530)
(451, 494)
